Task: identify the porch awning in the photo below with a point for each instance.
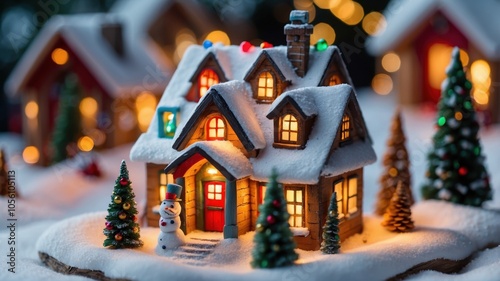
(223, 155)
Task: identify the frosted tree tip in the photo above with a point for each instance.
(456, 52)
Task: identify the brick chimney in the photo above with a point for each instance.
(298, 34)
(113, 34)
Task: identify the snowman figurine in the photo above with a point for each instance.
(171, 236)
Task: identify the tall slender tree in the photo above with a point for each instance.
(67, 123)
(122, 229)
(331, 238)
(456, 169)
(396, 166)
(273, 240)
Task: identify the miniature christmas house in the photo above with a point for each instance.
(230, 114)
(418, 41)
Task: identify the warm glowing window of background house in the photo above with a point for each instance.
(346, 127)
(207, 78)
(216, 129)
(347, 196)
(295, 206)
(289, 128)
(164, 180)
(334, 80)
(261, 193)
(265, 85)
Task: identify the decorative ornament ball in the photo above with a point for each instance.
(134, 218)
(126, 206)
(118, 237)
(136, 229)
(246, 46)
(266, 45)
(122, 216)
(123, 181)
(270, 219)
(276, 203)
(276, 247)
(207, 44)
(321, 45)
(463, 171)
(117, 199)
(109, 225)
(259, 227)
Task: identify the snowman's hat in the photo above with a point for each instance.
(173, 192)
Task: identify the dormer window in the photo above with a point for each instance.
(345, 133)
(334, 80)
(167, 121)
(215, 128)
(265, 89)
(289, 129)
(207, 78)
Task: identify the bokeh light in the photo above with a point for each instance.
(85, 143)
(218, 36)
(374, 23)
(60, 56)
(382, 84)
(391, 62)
(325, 31)
(31, 155)
(31, 110)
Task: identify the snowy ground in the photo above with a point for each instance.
(53, 194)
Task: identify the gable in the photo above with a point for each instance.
(335, 66)
(262, 63)
(243, 131)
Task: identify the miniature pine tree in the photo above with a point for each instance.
(67, 123)
(331, 238)
(456, 170)
(397, 217)
(273, 240)
(396, 167)
(122, 229)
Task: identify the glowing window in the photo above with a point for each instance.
(334, 80)
(214, 191)
(216, 129)
(167, 121)
(338, 187)
(262, 193)
(289, 128)
(207, 78)
(265, 86)
(347, 197)
(295, 206)
(346, 128)
(164, 180)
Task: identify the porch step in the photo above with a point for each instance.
(196, 250)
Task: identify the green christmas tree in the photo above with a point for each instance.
(67, 123)
(331, 238)
(396, 167)
(122, 229)
(456, 170)
(273, 240)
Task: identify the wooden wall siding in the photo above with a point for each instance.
(152, 192)
(189, 200)
(243, 206)
(254, 204)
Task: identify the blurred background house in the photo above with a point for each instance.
(123, 51)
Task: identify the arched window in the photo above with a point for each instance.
(346, 128)
(207, 78)
(265, 88)
(334, 80)
(216, 128)
(289, 129)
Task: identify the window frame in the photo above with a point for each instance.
(343, 209)
(266, 87)
(169, 178)
(334, 77)
(295, 204)
(161, 123)
(210, 75)
(208, 128)
(346, 129)
(281, 121)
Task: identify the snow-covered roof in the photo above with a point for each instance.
(477, 20)
(83, 35)
(228, 159)
(327, 103)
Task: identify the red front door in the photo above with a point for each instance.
(215, 193)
